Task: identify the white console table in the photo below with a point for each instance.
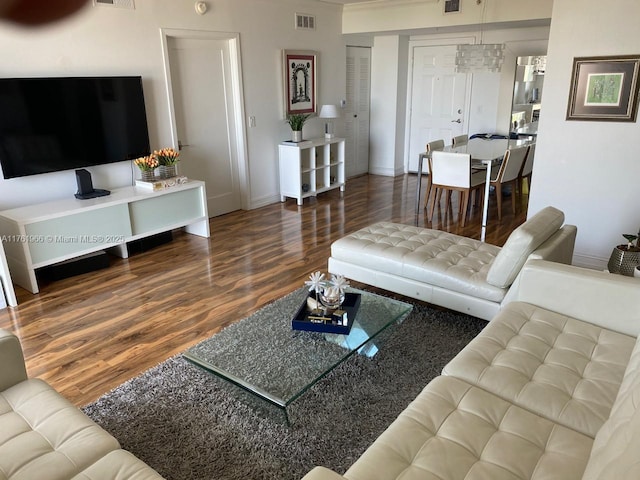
(39, 235)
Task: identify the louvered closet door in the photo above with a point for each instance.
(356, 113)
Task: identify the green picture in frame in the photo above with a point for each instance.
(604, 89)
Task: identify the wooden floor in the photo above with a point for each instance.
(87, 334)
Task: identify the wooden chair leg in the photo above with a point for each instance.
(499, 199)
(465, 204)
(434, 199)
(447, 203)
(520, 183)
(513, 196)
(428, 191)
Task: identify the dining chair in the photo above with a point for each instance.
(431, 147)
(460, 140)
(507, 174)
(527, 168)
(451, 172)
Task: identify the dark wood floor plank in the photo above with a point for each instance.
(87, 334)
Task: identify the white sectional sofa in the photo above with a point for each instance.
(550, 389)
(44, 437)
(449, 270)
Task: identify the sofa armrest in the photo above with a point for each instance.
(604, 299)
(559, 247)
(322, 473)
(13, 369)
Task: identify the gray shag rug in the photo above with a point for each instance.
(189, 424)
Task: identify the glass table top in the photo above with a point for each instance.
(265, 356)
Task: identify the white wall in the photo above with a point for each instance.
(385, 155)
(590, 170)
(115, 41)
(394, 16)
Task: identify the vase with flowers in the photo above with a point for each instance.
(168, 161)
(147, 166)
(329, 293)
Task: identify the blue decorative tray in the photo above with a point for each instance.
(329, 322)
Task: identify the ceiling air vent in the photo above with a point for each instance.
(452, 6)
(305, 21)
(115, 3)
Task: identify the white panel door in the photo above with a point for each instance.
(201, 79)
(439, 100)
(357, 110)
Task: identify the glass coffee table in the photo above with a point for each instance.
(263, 355)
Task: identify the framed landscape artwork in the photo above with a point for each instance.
(604, 88)
(300, 86)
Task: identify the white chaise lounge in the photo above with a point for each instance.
(449, 270)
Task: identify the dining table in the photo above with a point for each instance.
(485, 154)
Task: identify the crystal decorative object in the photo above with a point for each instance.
(331, 297)
(479, 58)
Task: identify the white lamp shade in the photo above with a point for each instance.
(329, 111)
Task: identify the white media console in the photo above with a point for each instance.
(39, 235)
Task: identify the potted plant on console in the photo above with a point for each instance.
(626, 257)
(296, 121)
(168, 160)
(147, 166)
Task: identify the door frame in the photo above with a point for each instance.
(237, 122)
(432, 42)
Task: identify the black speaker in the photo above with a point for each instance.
(85, 186)
(147, 243)
(75, 266)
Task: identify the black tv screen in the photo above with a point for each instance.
(51, 124)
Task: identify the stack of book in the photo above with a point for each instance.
(161, 183)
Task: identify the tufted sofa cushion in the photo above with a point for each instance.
(616, 446)
(521, 243)
(43, 436)
(430, 256)
(455, 430)
(561, 368)
(118, 465)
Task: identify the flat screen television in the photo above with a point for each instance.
(63, 123)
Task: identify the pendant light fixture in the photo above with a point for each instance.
(480, 57)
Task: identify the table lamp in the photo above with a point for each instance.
(329, 111)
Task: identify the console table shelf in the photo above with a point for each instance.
(311, 167)
(39, 235)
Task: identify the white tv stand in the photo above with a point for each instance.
(39, 235)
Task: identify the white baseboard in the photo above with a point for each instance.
(385, 171)
(589, 261)
(264, 201)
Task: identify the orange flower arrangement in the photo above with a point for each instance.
(167, 156)
(148, 163)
